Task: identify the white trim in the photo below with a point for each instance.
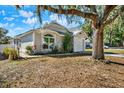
(80, 31)
(24, 34)
(47, 30)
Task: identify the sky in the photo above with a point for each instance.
(18, 21)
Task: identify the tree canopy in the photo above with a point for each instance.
(114, 33)
(3, 38)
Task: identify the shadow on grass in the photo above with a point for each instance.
(69, 55)
(118, 63)
(110, 53)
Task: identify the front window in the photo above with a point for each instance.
(48, 41)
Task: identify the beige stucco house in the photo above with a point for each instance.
(51, 34)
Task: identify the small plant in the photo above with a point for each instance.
(45, 46)
(6, 52)
(10, 53)
(13, 55)
(29, 50)
(61, 50)
(55, 49)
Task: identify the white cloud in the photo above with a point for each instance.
(30, 20)
(2, 12)
(54, 17)
(18, 29)
(9, 18)
(62, 21)
(15, 31)
(6, 25)
(25, 13)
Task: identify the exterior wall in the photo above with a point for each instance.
(59, 40)
(78, 43)
(37, 41)
(37, 38)
(26, 41)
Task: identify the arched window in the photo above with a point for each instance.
(48, 41)
(48, 35)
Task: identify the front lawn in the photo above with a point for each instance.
(111, 51)
(75, 71)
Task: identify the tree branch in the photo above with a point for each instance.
(71, 12)
(92, 8)
(110, 20)
(108, 9)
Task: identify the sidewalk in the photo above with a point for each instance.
(24, 55)
(115, 55)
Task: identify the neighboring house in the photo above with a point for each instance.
(52, 34)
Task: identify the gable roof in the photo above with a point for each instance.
(79, 32)
(56, 27)
(25, 33)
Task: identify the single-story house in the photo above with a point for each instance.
(51, 34)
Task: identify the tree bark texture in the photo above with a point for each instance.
(98, 50)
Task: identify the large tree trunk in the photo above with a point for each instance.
(98, 51)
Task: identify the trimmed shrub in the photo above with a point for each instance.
(29, 50)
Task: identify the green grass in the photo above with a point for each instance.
(115, 51)
(121, 51)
